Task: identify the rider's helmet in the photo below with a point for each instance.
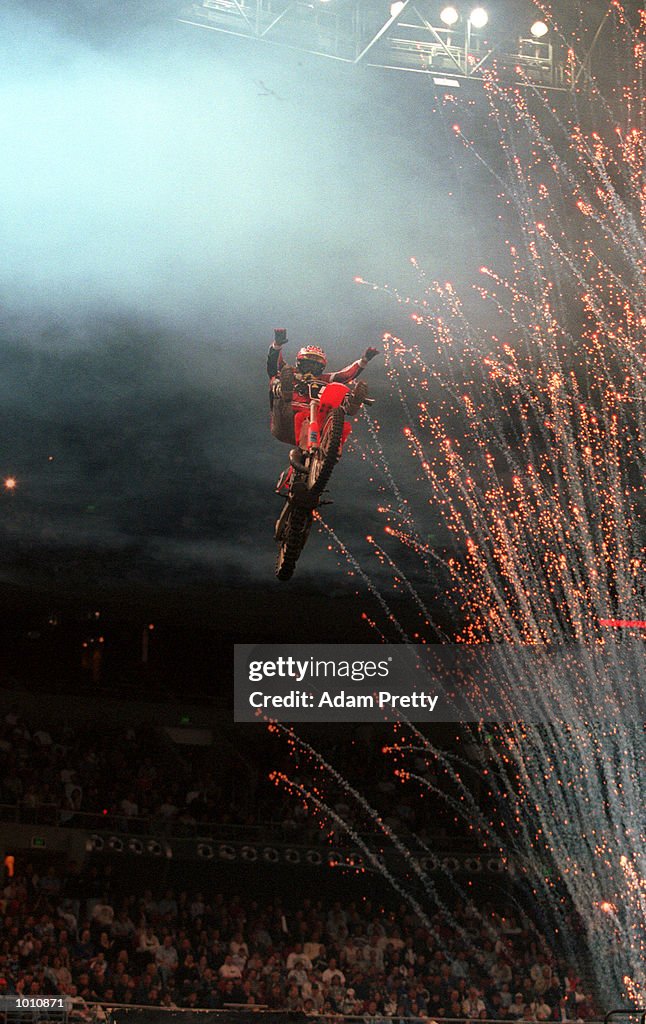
(311, 359)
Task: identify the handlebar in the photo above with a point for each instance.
(310, 387)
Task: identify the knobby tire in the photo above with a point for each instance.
(327, 457)
(292, 543)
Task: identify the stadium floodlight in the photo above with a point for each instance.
(539, 29)
(478, 17)
(449, 16)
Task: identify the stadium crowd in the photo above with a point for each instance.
(78, 932)
(138, 780)
(71, 932)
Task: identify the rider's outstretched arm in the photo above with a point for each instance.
(275, 356)
(352, 371)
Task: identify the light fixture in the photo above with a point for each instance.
(449, 16)
(450, 865)
(478, 17)
(396, 8)
(539, 29)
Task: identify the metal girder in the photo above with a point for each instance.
(355, 32)
(394, 18)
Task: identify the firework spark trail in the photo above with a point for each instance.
(366, 579)
(603, 797)
(575, 791)
(308, 793)
(309, 797)
(402, 504)
(551, 535)
(571, 477)
(400, 576)
(532, 451)
(555, 546)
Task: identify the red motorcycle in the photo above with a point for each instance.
(322, 431)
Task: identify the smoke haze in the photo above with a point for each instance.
(169, 196)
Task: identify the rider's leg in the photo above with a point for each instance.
(282, 410)
(287, 382)
(282, 420)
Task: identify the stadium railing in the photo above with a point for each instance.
(235, 1014)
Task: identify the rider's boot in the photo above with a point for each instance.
(355, 400)
(287, 383)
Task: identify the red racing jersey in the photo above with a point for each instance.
(275, 361)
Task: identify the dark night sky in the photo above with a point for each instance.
(163, 211)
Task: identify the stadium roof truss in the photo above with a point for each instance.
(403, 37)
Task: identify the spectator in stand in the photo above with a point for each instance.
(102, 914)
(83, 950)
(500, 972)
(167, 906)
(239, 950)
(473, 1005)
(129, 805)
(331, 971)
(166, 958)
(229, 971)
(517, 1008)
(122, 928)
(297, 954)
(147, 942)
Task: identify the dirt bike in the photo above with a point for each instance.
(322, 430)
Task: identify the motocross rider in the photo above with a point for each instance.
(284, 399)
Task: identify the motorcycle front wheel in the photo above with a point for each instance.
(324, 460)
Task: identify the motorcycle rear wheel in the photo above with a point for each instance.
(292, 541)
(324, 460)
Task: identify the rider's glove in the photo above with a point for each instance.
(370, 353)
(280, 336)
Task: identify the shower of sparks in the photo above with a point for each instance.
(527, 439)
